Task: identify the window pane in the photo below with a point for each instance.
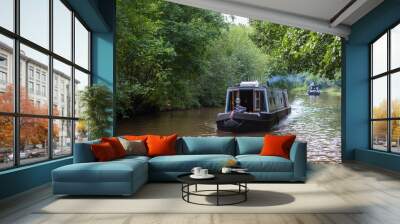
(33, 139)
(395, 47)
(62, 29)
(62, 138)
(395, 95)
(379, 97)
(62, 89)
(379, 135)
(81, 45)
(34, 97)
(379, 55)
(395, 136)
(6, 74)
(7, 14)
(6, 142)
(81, 82)
(35, 21)
(81, 131)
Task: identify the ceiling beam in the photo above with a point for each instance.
(272, 15)
(347, 11)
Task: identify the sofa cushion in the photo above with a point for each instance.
(257, 163)
(185, 163)
(112, 171)
(135, 147)
(103, 152)
(133, 157)
(277, 145)
(208, 145)
(161, 145)
(135, 137)
(249, 145)
(116, 145)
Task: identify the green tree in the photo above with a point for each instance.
(96, 102)
(231, 58)
(292, 50)
(160, 54)
(141, 55)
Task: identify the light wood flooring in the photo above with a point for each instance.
(377, 188)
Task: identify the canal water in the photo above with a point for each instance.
(315, 119)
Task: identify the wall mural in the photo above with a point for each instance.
(196, 72)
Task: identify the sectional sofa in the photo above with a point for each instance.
(125, 176)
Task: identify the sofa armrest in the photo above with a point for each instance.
(298, 155)
(83, 152)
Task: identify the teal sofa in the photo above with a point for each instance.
(125, 176)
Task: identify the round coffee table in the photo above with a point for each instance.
(238, 179)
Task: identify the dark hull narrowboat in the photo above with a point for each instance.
(251, 108)
(313, 90)
(312, 93)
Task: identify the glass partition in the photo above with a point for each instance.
(385, 91)
(40, 82)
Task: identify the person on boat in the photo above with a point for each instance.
(238, 108)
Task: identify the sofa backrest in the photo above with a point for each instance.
(207, 145)
(83, 152)
(249, 145)
(190, 146)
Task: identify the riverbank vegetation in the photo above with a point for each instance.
(171, 56)
(299, 83)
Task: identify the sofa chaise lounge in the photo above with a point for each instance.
(125, 176)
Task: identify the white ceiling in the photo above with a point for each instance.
(316, 15)
(321, 9)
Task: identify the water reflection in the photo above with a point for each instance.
(313, 119)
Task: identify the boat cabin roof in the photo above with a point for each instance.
(235, 88)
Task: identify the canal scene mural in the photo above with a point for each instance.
(196, 72)
(313, 119)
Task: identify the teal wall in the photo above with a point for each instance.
(355, 114)
(103, 53)
(103, 63)
(24, 178)
(99, 15)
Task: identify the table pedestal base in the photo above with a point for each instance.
(219, 193)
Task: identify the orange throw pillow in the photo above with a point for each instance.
(135, 137)
(277, 145)
(103, 152)
(161, 145)
(116, 145)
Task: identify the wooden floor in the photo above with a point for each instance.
(377, 188)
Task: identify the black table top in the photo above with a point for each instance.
(220, 178)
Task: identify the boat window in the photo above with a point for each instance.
(263, 106)
(246, 100)
(232, 99)
(257, 105)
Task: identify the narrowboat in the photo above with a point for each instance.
(313, 90)
(251, 107)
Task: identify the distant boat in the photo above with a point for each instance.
(251, 107)
(313, 90)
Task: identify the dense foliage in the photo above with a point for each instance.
(96, 102)
(232, 58)
(171, 56)
(292, 50)
(161, 49)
